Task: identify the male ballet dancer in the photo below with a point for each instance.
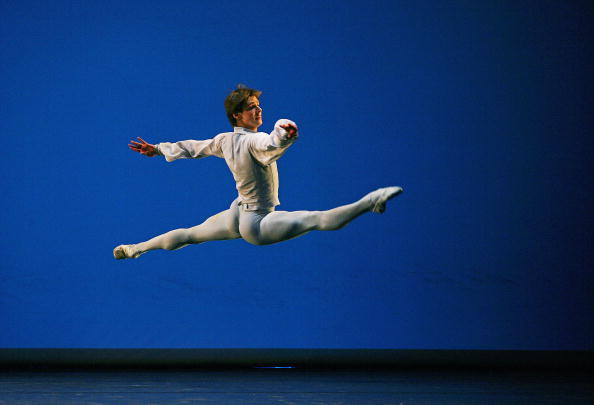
(251, 157)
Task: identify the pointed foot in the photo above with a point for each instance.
(125, 252)
(380, 196)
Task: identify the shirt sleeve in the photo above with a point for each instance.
(190, 149)
(268, 148)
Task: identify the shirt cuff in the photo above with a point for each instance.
(280, 135)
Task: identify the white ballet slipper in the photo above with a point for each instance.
(380, 196)
(126, 252)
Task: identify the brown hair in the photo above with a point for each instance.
(237, 99)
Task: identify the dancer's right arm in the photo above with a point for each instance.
(189, 149)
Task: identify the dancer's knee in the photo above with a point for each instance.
(177, 238)
(327, 221)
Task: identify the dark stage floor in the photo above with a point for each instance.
(295, 387)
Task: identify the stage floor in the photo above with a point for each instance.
(295, 387)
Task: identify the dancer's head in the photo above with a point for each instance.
(243, 107)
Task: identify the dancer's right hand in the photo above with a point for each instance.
(144, 148)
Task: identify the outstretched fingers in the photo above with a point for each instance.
(143, 147)
(135, 146)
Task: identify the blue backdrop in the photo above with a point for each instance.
(482, 111)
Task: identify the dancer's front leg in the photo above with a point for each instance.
(278, 226)
(222, 226)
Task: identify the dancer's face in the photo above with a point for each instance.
(251, 116)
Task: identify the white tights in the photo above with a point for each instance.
(257, 227)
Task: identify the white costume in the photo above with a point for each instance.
(251, 157)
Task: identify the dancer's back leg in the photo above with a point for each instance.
(222, 226)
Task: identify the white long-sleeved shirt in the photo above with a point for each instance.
(250, 155)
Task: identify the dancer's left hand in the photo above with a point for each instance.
(292, 130)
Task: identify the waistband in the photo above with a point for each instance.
(249, 207)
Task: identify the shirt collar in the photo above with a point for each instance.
(242, 129)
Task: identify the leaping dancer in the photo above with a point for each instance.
(251, 157)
